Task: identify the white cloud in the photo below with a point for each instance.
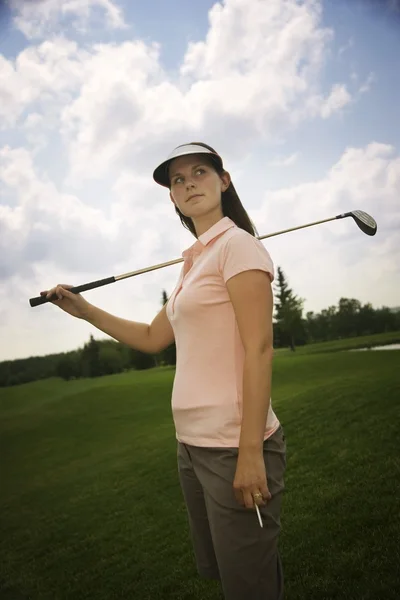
(116, 104)
(337, 99)
(119, 107)
(284, 161)
(346, 46)
(41, 225)
(44, 76)
(38, 18)
(366, 86)
(264, 85)
(272, 35)
(337, 259)
(44, 224)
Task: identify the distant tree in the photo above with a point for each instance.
(366, 323)
(66, 367)
(110, 360)
(288, 313)
(101, 357)
(347, 317)
(125, 356)
(142, 360)
(387, 319)
(5, 373)
(16, 379)
(321, 326)
(90, 366)
(168, 355)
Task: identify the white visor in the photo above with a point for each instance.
(160, 174)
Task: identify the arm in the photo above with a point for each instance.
(251, 296)
(257, 377)
(150, 339)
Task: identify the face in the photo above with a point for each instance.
(196, 187)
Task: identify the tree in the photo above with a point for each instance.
(141, 360)
(110, 359)
(168, 355)
(366, 320)
(348, 317)
(322, 326)
(66, 367)
(289, 310)
(90, 359)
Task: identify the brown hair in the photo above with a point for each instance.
(230, 201)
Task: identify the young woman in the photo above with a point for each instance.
(231, 448)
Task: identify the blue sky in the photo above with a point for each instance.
(83, 125)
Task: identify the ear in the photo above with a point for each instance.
(171, 198)
(226, 180)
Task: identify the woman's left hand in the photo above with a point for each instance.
(250, 479)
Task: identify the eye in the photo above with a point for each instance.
(200, 170)
(176, 180)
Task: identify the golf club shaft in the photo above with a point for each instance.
(95, 284)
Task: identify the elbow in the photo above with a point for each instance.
(265, 351)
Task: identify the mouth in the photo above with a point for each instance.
(194, 196)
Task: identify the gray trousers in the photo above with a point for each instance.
(228, 542)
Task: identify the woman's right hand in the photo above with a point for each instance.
(73, 304)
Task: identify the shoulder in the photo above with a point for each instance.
(240, 251)
(239, 240)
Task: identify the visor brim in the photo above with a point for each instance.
(160, 174)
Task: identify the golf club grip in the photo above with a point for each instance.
(75, 290)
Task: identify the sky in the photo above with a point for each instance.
(299, 97)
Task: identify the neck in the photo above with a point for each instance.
(205, 222)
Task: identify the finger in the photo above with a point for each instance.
(66, 292)
(50, 292)
(61, 290)
(265, 491)
(54, 294)
(248, 499)
(239, 497)
(260, 501)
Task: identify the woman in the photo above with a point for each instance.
(231, 447)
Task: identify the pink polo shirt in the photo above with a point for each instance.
(207, 393)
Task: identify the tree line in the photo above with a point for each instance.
(348, 319)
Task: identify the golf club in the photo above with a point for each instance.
(364, 221)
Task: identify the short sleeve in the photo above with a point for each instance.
(244, 252)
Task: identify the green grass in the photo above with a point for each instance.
(91, 506)
(362, 341)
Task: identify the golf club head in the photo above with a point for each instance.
(365, 222)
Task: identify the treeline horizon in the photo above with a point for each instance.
(349, 318)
